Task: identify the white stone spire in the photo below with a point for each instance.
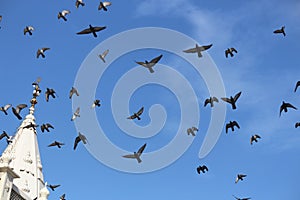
(23, 161)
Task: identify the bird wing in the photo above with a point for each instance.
(237, 96)
(257, 136)
(207, 101)
(234, 123)
(73, 91)
(277, 31)
(52, 144)
(204, 167)
(194, 129)
(45, 48)
(65, 12)
(191, 50)
(226, 53)
(49, 125)
(141, 63)
(226, 99)
(77, 111)
(290, 106)
(6, 107)
(85, 31)
(155, 60)
(215, 99)
(297, 85)
(233, 49)
(99, 28)
(106, 3)
(140, 151)
(205, 47)
(105, 53)
(43, 128)
(129, 156)
(77, 140)
(140, 111)
(227, 127)
(21, 106)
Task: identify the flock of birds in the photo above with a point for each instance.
(51, 93)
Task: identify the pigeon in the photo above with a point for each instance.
(55, 143)
(92, 30)
(137, 155)
(18, 109)
(37, 91)
(202, 169)
(103, 5)
(230, 52)
(232, 100)
(96, 103)
(5, 108)
(49, 92)
(9, 139)
(28, 29)
(198, 49)
(284, 107)
(254, 138)
(191, 131)
(76, 114)
(79, 3)
(240, 177)
(137, 115)
(4, 134)
(73, 91)
(278, 31)
(103, 55)
(53, 187)
(231, 125)
(297, 124)
(40, 52)
(150, 64)
(63, 14)
(31, 125)
(46, 127)
(297, 85)
(241, 198)
(79, 138)
(211, 101)
(62, 197)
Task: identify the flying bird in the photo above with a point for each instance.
(73, 91)
(297, 85)
(63, 14)
(53, 187)
(96, 103)
(232, 100)
(231, 125)
(137, 155)
(137, 115)
(46, 127)
(49, 92)
(297, 124)
(92, 30)
(279, 31)
(211, 101)
(79, 3)
(18, 109)
(198, 49)
(76, 114)
(191, 131)
(150, 64)
(254, 138)
(28, 29)
(240, 177)
(55, 143)
(31, 125)
(41, 52)
(79, 138)
(241, 198)
(4, 134)
(202, 169)
(230, 52)
(103, 55)
(62, 197)
(284, 107)
(103, 5)
(5, 108)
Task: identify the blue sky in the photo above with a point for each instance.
(265, 69)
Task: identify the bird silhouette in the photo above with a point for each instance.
(240, 177)
(231, 125)
(241, 198)
(28, 29)
(92, 30)
(73, 91)
(211, 101)
(41, 52)
(284, 107)
(103, 55)
(137, 115)
(232, 100)
(297, 85)
(49, 92)
(202, 169)
(230, 52)
(46, 127)
(198, 49)
(191, 131)
(4, 134)
(79, 3)
(79, 138)
(96, 103)
(254, 138)
(103, 5)
(281, 30)
(5, 108)
(55, 143)
(137, 155)
(62, 197)
(297, 124)
(53, 187)
(150, 64)
(63, 14)
(18, 109)
(76, 114)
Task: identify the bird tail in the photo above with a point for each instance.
(151, 70)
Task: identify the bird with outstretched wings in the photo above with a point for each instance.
(136, 155)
